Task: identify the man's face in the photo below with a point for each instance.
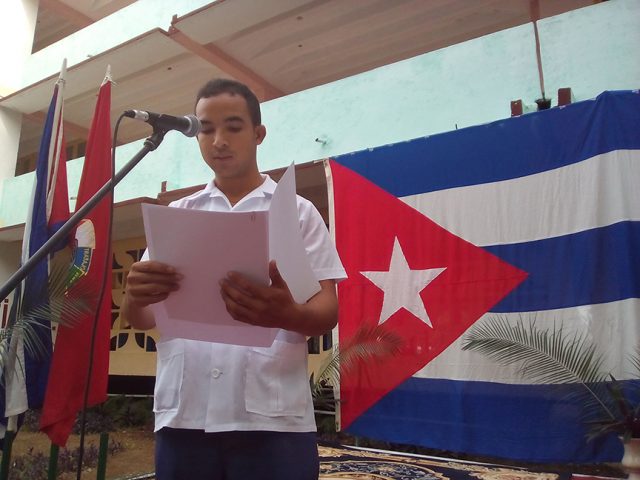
(228, 140)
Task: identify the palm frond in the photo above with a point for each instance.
(543, 356)
(635, 361)
(370, 343)
(554, 356)
(65, 306)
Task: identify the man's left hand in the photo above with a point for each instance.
(266, 306)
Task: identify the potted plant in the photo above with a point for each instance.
(556, 356)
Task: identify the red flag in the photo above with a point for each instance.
(409, 274)
(92, 252)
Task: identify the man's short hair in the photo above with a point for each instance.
(218, 86)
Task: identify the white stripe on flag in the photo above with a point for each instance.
(54, 148)
(548, 204)
(603, 322)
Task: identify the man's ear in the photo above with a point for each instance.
(261, 132)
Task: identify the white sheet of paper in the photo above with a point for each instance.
(203, 246)
(285, 240)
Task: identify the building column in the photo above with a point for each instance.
(16, 41)
(10, 126)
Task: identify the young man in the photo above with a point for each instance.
(227, 411)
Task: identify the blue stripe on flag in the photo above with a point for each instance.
(504, 149)
(594, 266)
(461, 416)
(36, 288)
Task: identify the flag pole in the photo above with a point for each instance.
(6, 453)
(107, 76)
(52, 174)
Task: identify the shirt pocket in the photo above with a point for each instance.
(276, 380)
(169, 375)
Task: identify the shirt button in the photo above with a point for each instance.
(215, 373)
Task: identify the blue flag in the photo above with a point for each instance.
(27, 370)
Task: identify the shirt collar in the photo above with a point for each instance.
(267, 188)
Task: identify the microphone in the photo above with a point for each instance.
(188, 125)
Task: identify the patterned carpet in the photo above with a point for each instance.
(346, 463)
(355, 464)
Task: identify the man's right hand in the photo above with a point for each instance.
(147, 283)
(150, 282)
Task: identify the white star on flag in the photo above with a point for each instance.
(402, 286)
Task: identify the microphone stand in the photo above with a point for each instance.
(150, 144)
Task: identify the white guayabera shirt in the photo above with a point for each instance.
(217, 387)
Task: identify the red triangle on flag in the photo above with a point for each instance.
(467, 281)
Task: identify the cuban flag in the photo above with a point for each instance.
(25, 373)
(534, 217)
